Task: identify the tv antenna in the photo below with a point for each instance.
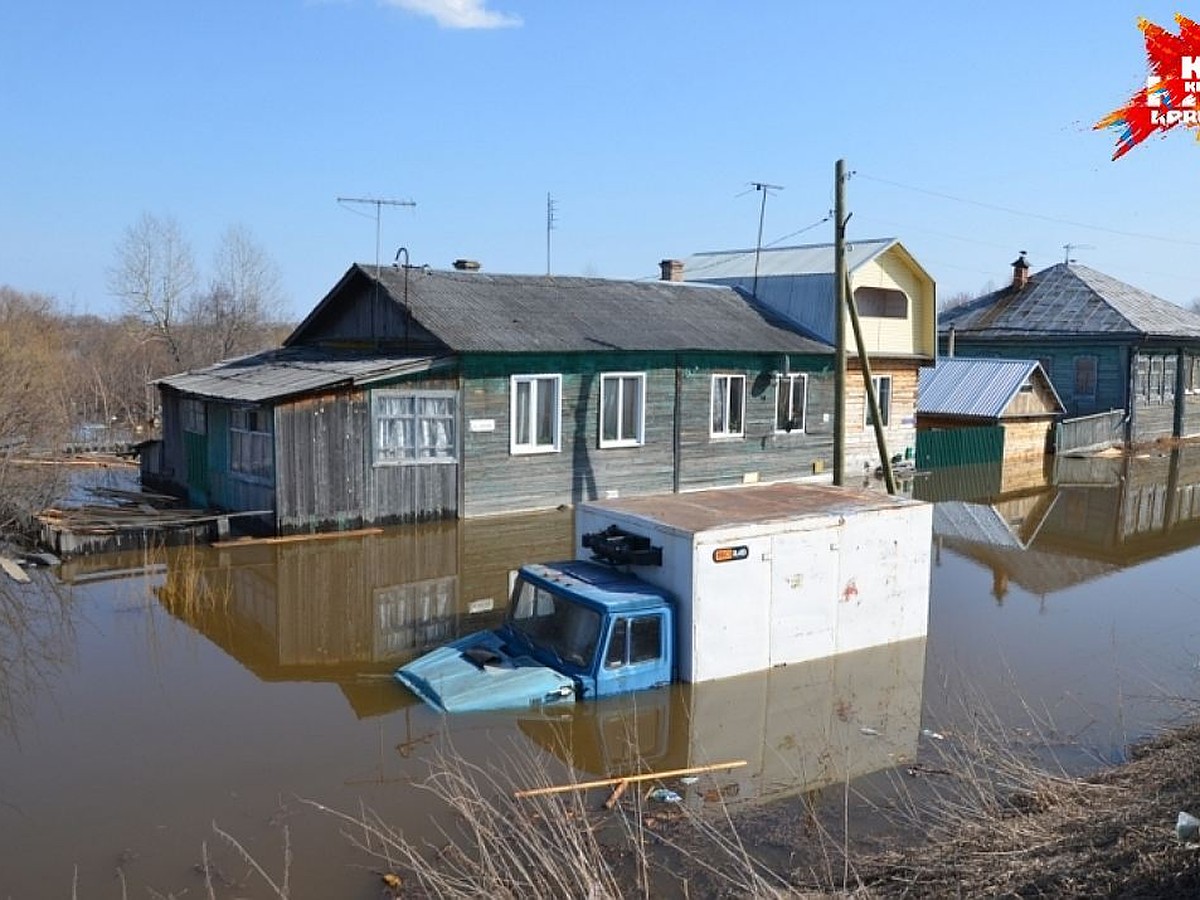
(762, 212)
(379, 203)
(550, 220)
(1067, 248)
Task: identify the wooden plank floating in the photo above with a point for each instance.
(627, 779)
(296, 538)
(14, 571)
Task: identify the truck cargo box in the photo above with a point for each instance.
(768, 575)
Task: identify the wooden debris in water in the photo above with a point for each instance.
(296, 538)
(646, 776)
(14, 571)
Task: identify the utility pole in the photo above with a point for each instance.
(762, 212)
(549, 227)
(839, 359)
(378, 203)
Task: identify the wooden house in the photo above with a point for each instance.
(412, 394)
(896, 301)
(978, 410)
(1105, 345)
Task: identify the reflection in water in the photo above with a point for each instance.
(349, 610)
(1088, 518)
(36, 641)
(799, 727)
(1090, 638)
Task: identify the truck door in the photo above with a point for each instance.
(635, 656)
(804, 594)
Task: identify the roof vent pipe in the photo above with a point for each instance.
(950, 344)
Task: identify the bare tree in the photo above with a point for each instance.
(154, 277)
(33, 391)
(235, 314)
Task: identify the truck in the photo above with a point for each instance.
(693, 587)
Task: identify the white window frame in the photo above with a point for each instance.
(727, 432)
(251, 447)
(885, 409)
(787, 383)
(537, 384)
(419, 453)
(618, 381)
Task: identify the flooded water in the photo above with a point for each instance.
(148, 697)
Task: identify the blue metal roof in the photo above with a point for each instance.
(977, 388)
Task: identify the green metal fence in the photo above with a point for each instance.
(959, 447)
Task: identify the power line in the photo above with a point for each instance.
(1031, 215)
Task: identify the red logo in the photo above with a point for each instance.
(1172, 87)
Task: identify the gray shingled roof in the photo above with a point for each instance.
(1071, 300)
(980, 388)
(483, 313)
(289, 372)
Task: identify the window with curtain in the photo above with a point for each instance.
(414, 427)
(535, 413)
(622, 409)
(728, 405)
(791, 392)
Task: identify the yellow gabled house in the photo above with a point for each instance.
(897, 307)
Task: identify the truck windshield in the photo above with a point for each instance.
(567, 629)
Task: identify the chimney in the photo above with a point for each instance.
(950, 344)
(672, 270)
(466, 265)
(1020, 272)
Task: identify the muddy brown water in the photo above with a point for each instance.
(145, 698)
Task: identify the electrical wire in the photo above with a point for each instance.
(1030, 215)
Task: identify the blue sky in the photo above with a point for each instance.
(968, 130)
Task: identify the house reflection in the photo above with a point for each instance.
(349, 609)
(1089, 516)
(798, 727)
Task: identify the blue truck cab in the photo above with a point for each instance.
(574, 630)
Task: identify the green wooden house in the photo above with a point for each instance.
(1106, 345)
(411, 394)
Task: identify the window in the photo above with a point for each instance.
(412, 427)
(1085, 376)
(622, 409)
(791, 392)
(570, 631)
(883, 395)
(884, 303)
(536, 416)
(191, 412)
(1192, 364)
(728, 405)
(250, 443)
(634, 641)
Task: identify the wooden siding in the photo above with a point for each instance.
(862, 451)
(1027, 438)
(496, 480)
(366, 315)
(326, 476)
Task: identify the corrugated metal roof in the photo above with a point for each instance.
(290, 371)
(482, 313)
(978, 523)
(803, 259)
(978, 388)
(1074, 300)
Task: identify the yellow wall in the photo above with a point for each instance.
(917, 333)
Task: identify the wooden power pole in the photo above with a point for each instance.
(839, 360)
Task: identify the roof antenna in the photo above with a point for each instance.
(762, 212)
(1067, 248)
